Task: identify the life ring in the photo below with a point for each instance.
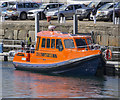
(108, 54)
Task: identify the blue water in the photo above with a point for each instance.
(25, 84)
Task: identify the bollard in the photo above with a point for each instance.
(118, 20)
(2, 18)
(64, 20)
(61, 19)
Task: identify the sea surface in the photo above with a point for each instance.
(25, 84)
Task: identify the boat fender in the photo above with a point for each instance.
(108, 54)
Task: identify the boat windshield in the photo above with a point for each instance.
(80, 43)
(69, 43)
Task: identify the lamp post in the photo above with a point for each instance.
(75, 24)
(113, 12)
(36, 25)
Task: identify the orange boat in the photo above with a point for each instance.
(61, 53)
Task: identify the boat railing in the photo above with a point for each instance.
(91, 46)
(25, 50)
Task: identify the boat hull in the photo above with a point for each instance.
(75, 67)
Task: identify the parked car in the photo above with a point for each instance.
(85, 12)
(106, 12)
(65, 11)
(43, 9)
(4, 5)
(20, 9)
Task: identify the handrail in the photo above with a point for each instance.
(88, 46)
(25, 49)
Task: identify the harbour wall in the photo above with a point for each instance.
(104, 34)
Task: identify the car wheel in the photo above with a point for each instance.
(14, 18)
(23, 16)
(111, 18)
(80, 19)
(89, 17)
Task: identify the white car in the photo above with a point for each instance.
(4, 5)
(43, 9)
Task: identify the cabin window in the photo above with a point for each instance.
(48, 43)
(80, 43)
(59, 44)
(43, 42)
(53, 43)
(69, 43)
(38, 43)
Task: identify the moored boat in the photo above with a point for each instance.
(61, 53)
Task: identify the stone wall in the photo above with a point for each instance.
(105, 34)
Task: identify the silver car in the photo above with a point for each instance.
(65, 11)
(43, 9)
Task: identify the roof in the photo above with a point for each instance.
(58, 34)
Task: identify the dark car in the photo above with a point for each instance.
(85, 12)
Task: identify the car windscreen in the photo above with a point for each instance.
(63, 7)
(43, 6)
(12, 5)
(106, 6)
(117, 5)
(93, 3)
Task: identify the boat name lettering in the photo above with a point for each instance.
(20, 54)
(46, 55)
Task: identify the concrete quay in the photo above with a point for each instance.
(105, 33)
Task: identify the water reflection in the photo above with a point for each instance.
(26, 84)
